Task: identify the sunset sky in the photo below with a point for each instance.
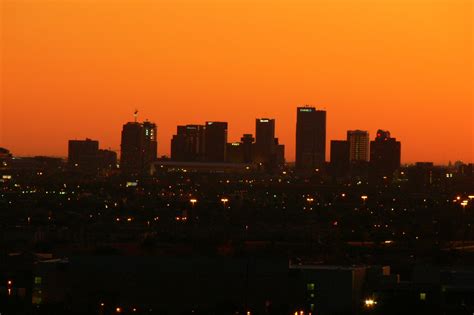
(72, 69)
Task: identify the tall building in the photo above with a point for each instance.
(188, 143)
(310, 138)
(385, 154)
(339, 162)
(138, 146)
(358, 146)
(215, 141)
(107, 159)
(83, 153)
(235, 152)
(247, 141)
(265, 148)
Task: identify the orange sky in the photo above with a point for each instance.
(78, 68)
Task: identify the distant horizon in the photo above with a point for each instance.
(167, 153)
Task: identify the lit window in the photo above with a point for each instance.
(310, 286)
(422, 296)
(38, 280)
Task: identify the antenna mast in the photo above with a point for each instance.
(135, 115)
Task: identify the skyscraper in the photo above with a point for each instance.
(235, 152)
(215, 141)
(265, 148)
(358, 145)
(385, 154)
(138, 146)
(339, 158)
(188, 143)
(83, 153)
(310, 138)
(247, 141)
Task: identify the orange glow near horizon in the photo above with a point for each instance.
(79, 68)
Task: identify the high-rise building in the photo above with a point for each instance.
(279, 153)
(385, 154)
(188, 143)
(215, 141)
(358, 146)
(310, 138)
(83, 153)
(247, 141)
(235, 152)
(138, 146)
(107, 159)
(339, 161)
(265, 148)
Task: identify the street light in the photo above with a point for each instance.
(224, 201)
(193, 201)
(369, 303)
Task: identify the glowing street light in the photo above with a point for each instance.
(193, 201)
(369, 303)
(118, 310)
(364, 197)
(224, 201)
(310, 199)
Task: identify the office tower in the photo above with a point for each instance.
(215, 141)
(188, 143)
(235, 152)
(138, 146)
(107, 159)
(279, 153)
(265, 148)
(83, 153)
(339, 161)
(358, 146)
(150, 145)
(247, 141)
(310, 138)
(385, 154)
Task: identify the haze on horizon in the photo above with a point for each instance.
(79, 68)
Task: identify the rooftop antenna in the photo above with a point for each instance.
(135, 115)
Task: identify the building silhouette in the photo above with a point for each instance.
(138, 146)
(235, 152)
(188, 143)
(265, 147)
(358, 146)
(247, 142)
(310, 138)
(339, 162)
(385, 154)
(85, 155)
(215, 141)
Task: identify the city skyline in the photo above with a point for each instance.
(169, 143)
(68, 72)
